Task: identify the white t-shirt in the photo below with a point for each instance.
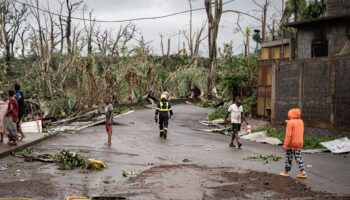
(236, 113)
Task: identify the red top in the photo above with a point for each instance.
(14, 112)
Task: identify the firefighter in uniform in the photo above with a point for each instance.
(163, 110)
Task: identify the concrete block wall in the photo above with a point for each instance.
(287, 89)
(316, 99)
(320, 87)
(342, 91)
(336, 7)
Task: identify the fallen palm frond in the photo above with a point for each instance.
(67, 160)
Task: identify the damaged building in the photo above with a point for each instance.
(316, 78)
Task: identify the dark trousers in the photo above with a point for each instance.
(163, 124)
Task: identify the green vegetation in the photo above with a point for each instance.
(25, 151)
(265, 157)
(314, 9)
(313, 142)
(69, 160)
(218, 113)
(310, 142)
(272, 132)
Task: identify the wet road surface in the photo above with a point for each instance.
(209, 171)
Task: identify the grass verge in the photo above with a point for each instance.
(218, 113)
(310, 142)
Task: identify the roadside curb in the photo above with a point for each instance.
(30, 144)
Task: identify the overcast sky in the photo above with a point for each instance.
(150, 29)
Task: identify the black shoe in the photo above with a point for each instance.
(232, 145)
(239, 145)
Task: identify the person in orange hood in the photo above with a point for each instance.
(293, 142)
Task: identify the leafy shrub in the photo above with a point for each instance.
(218, 113)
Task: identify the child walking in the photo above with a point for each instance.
(293, 143)
(109, 119)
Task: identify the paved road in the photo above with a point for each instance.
(136, 146)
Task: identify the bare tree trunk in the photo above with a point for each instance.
(199, 39)
(213, 27)
(191, 38)
(162, 44)
(23, 41)
(69, 28)
(89, 32)
(61, 27)
(11, 17)
(168, 51)
(71, 7)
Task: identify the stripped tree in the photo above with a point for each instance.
(214, 16)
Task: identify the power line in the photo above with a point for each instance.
(117, 21)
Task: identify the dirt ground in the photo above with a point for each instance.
(190, 164)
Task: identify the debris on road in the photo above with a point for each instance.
(222, 127)
(48, 158)
(188, 103)
(90, 119)
(66, 160)
(74, 197)
(70, 160)
(341, 145)
(17, 172)
(186, 160)
(219, 121)
(264, 157)
(312, 151)
(3, 167)
(94, 164)
(261, 137)
(129, 173)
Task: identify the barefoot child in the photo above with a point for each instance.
(293, 142)
(237, 115)
(109, 119)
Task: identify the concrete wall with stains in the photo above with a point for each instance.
(336, 7)
(320, 87)
(335, 32)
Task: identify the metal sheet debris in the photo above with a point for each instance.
(261, 137)
(129, 173)
(341, 145)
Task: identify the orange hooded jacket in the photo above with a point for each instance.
(295, 131)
